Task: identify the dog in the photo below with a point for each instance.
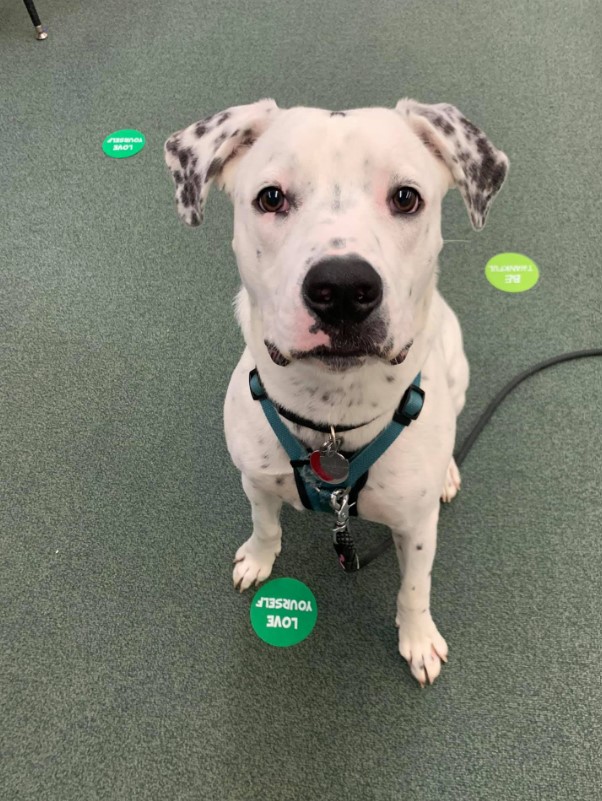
(337, 234)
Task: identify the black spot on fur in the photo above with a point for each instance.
(337, 243)
(177, 176)
(497, 175)
(173, 145)
(194, 218)
(214, 167)
(248, 137)
(440, 122)
(484, 147)
(337, 114)
(201, 129)
(184, 156)
(419, 547)
(258, 254)
(390, 379)
(188, 196)
(223, 117)
(469, 129)
(221, 139)
(280, 481)
(422, 493)
(326, 397)
(413, 589)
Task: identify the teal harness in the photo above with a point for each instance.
(314, 493)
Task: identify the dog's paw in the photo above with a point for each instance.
(452, 482)
(421, 645)
(252, 564)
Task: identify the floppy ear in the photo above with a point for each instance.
(478, 168)
(206, 150)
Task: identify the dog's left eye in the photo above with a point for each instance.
(405, 200)
(272, 200)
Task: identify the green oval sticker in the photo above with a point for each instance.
(283, 612)
(123, 144)
(512, 272)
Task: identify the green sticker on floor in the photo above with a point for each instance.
(283, 612)
(512, 272)
(123, 144)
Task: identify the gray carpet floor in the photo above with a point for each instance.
(128, 669)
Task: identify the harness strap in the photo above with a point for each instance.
(313, 493)
(294, 449)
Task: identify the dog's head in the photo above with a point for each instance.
(336, 216)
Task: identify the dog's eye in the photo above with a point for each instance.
(405, 200)
(272, 200)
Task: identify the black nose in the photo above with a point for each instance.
(342, 290)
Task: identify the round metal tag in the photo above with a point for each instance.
(329, 466)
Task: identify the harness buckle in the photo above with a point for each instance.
(410, 407)
(257, 389)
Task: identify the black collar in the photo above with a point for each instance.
(323, 428)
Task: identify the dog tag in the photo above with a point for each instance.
(335, 466)
(328, 464)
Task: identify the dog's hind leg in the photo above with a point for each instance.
(452, 482)
(255, 557)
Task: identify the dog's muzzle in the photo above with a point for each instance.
(344, 295)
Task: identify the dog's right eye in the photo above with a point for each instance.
(272, 200)
(405, 200)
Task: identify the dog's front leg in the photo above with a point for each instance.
(255, 557)
(419, 641)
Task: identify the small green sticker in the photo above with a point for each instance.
(512, 272)
(123, 144)
(283, 612)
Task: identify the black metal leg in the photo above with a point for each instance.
(41, 33)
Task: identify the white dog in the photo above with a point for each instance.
(336, 233)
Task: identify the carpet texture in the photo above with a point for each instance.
(128, 669)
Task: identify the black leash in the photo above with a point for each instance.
(463, 450)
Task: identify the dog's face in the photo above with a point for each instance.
(336, 217)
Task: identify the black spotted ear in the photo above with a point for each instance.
(198, 155)
(478, 168)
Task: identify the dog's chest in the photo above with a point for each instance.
(406, 478)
